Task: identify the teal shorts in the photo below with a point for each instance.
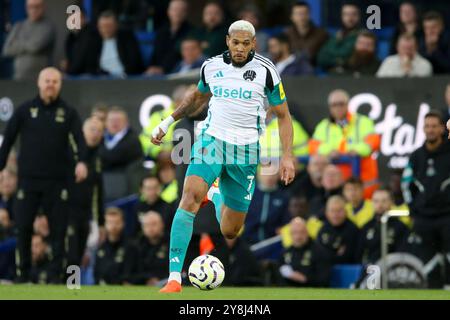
(235, 165)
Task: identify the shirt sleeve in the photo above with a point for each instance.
(203, 85)
(274, 88)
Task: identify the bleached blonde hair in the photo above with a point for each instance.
(242, 25)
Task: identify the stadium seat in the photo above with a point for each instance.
(344, 275)
(383, 49)
(127, 205)
(269, 249)
(332, 30)
(273, 31)
(384, 33)
(146, 40)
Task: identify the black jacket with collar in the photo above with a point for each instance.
(426, 181)
(87, 52)
(45, 132)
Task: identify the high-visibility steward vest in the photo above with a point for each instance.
(359, 136)
(145, 137)
(271, 145)
(362, 216)
(313, 225)
(170, 192)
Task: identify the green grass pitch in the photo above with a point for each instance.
(31, 292)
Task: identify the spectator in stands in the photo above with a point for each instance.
(168, 39)
(213, 31)
(132, 14)
(426, 191)
(110, 50)
(348, 134)
(363, 60)
(150, 150)
(304, 36)
(298, 206)
(192, 57)
(31, 42)
(446, 110)
(150, 200)
(252, 14)
(112, 254)
(86, 198)
(5, 224)
(304, 263)
(332, 183)
(75, 39)
(243, 268)
(287, 63)
(359, 210)
(120, 150)
(268, 210)
(407, 62)
(409, 23)
(8, 188)
(40, 260)
(167, 175)
(310, 181)
(152, 252)
(336, 51)
(100, 111)
(270, 140)
(7, 257)
(40, 226)
(369, 246)
(338, 235)
(434, 45)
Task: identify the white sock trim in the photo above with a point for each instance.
(175, 276)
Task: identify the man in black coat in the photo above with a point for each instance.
(107, 50)
(305, 263)
(369, 246)
(120, 149)
(149, 263)
(168, 39)
(86, 201)
(150, 200)
(338, 235)
(426, 190)
(47, 126)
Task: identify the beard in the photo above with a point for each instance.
(361, 58)
(238, 64)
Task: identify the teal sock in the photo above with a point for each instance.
(180, 236)
(217, 200)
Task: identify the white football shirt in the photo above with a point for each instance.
(236, 109)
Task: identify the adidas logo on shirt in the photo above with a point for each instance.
(218, 75)
(176, 259)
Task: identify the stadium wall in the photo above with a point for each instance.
(396, 105)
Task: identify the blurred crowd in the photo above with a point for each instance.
(156, 38)
(330, 215)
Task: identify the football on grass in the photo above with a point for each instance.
(206, 272)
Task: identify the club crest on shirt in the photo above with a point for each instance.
(34, 112)
(249, 75)
(60, 115)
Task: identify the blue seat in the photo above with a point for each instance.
(274, 31)
(127, 205)
(270, 249)
(146, 44)
(384, 33)
(344, 275)
(383, 48)
(332, 31)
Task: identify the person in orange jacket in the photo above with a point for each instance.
(350, 134)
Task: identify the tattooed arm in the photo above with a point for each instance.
(193, 101)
